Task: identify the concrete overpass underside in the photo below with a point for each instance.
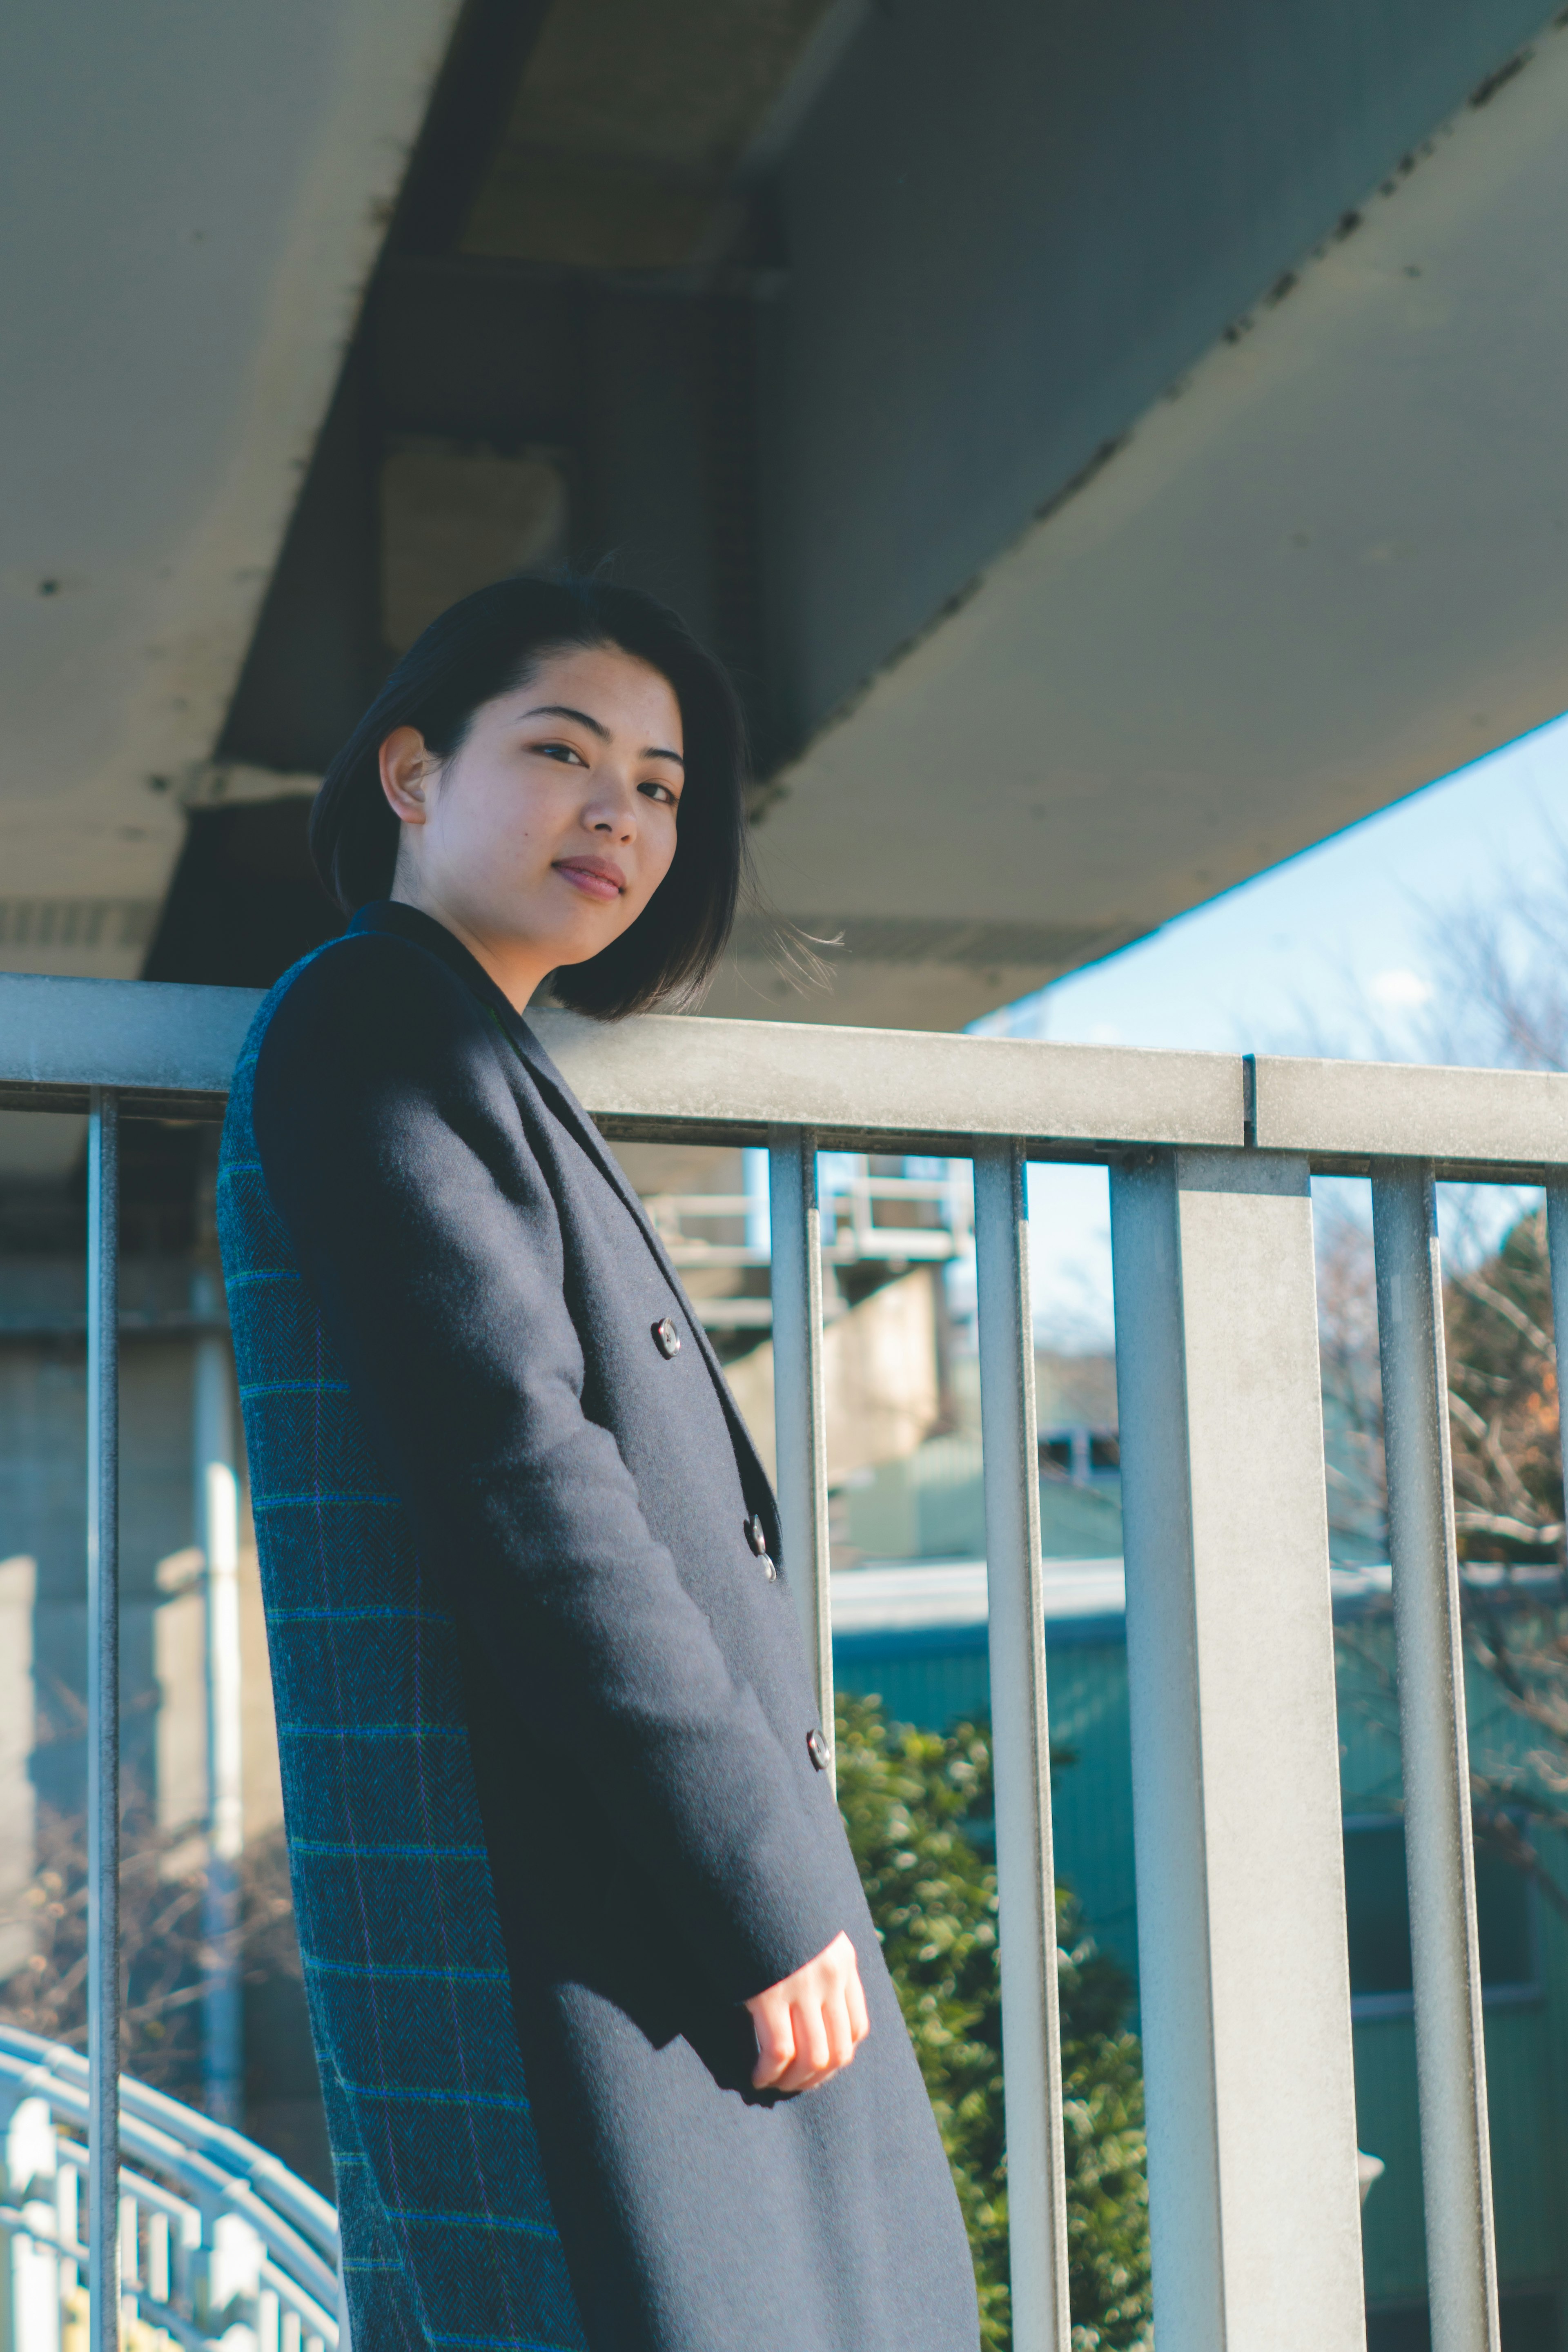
(1116, 449)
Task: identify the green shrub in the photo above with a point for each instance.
(918, 1810)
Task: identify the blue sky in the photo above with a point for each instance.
(1318, 955)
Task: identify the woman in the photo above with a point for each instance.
(609, 2055)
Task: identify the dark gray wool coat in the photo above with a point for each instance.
(544, 1719)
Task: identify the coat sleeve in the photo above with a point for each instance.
(392, 1149)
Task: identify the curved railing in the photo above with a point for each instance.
(218, 2241)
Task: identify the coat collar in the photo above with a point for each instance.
(410, 923)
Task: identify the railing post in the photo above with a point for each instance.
(1254, 2199)
(103, 1715)
(1021, 1750)
(799, 1419)
(1450, 2056)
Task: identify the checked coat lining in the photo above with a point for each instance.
(385, 1855)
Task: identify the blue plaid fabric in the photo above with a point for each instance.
(447, 2234)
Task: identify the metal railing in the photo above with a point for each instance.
(217, 2243)
(854, 1233)
(1244, 1978)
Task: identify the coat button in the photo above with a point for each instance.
(817, 1748)
(757, 1536)
(667, 1338)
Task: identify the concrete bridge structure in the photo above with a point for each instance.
(1116, 448)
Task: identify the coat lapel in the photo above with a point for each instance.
(571, 1113)
(408, 922)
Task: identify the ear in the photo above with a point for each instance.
(406, 770)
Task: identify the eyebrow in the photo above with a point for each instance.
(594, 727)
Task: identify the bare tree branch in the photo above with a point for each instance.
(165, 1956)
(1509, 1309)
(1503, 1000)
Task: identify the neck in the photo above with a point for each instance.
(517, 967)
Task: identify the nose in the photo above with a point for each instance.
(613, 809)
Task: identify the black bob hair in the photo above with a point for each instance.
(487, 645)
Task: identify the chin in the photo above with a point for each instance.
(578, 949)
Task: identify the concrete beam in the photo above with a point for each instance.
(1330, 566)
(198, 196)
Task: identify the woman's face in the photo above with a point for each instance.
(548, 831)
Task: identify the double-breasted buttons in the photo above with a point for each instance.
(757, 1536)
(666, 1338)
(819, 1749)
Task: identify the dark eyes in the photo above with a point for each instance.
(569, 756)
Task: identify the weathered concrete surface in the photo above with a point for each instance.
(194, 198)
(1329, 567)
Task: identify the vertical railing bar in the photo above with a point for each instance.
(217, 1531)
(1031, 2036)
(1557, 1248)
(800, 1424)
(103, 1717)
(1450, 2055)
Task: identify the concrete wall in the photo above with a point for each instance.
(881, 1376)
(1006, 228)
(43, 1598)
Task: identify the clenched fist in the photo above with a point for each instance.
(810, 2025)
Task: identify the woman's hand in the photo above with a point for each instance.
(810, 2025)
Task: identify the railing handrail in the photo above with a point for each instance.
(225, 2157)
(202, 2177)
(152, 1040)
(157, 1043)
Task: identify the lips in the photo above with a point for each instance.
(597, 877)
